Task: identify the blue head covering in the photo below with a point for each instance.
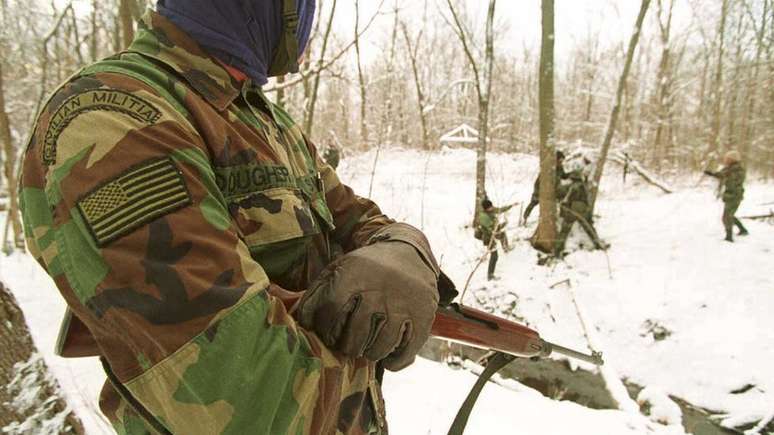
(241, 33)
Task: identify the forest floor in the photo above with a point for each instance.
(671, 305)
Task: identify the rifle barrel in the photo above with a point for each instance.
(595, 357)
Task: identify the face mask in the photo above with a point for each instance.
(286, 57)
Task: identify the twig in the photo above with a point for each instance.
(761, 424)
(564, 281)
(373, 169)
(614, 385)
(492, 241)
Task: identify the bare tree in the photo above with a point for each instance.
(717, 91)
(360, 79)
(605, 148)
(483, 83)
(413, 50)
(312, 99)
(127, 21)
(545, 236)
(9, 171)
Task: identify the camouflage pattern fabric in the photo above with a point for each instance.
(732, 178)
(164, 197)
(574, 207)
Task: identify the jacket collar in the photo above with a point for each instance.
(161, 40)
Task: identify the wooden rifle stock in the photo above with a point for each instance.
(483, 330)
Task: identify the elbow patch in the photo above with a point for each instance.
(136, 197)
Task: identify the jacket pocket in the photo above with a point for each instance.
(273, 215)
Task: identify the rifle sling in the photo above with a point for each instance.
(496, 362)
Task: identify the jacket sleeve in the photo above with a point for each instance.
(356, 218)
(121, 205)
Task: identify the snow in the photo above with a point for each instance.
(499, 410)
(28, 388)
(661, 408)
(670, 304)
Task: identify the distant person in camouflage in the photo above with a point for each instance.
(187, 221)
(559, 175)
(332, 156)
(574, 206)
(490, 229)
(732, 177)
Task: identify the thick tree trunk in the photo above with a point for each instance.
(32, 402)
(605, 148)
(545, 237)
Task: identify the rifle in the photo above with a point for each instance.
(479, 329)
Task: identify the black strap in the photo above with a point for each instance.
(496, 362)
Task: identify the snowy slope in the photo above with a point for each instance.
(668, 263)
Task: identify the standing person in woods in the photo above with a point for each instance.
(732, 178)
(180, 212)
(574, 207)
(559, 174)
(332, 156)
(492, 228)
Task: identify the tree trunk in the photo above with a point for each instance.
(717, 92)
(545, 237)
(483, 81)
(94, 38)
(413, 53)
(32, 401)
(127, 22)
(605, 148)
(662, 140)
(360, 79)
(309, 120)
(9, 171)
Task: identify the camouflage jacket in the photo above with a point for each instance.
(164, 195)
(489, 220)
(574, 196)
(732, 177)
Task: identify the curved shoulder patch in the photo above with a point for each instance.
(111, 100)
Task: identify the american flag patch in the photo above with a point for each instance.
(140, 195)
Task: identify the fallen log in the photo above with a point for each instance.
(627, 162)
(769, 216)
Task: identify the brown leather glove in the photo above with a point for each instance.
(378, 301)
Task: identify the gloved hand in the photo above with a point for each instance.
(378, 301)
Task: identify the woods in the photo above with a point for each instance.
(441, 112)
(694, 91)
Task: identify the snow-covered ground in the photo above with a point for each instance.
(667, 270)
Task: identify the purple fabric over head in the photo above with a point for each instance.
(241, 33)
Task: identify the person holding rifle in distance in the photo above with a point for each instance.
(731, 177)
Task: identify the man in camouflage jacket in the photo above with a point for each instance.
(732, 177)
(574, 207)
(178, 210)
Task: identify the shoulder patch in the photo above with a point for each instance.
(98, 99)
(136, 197)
